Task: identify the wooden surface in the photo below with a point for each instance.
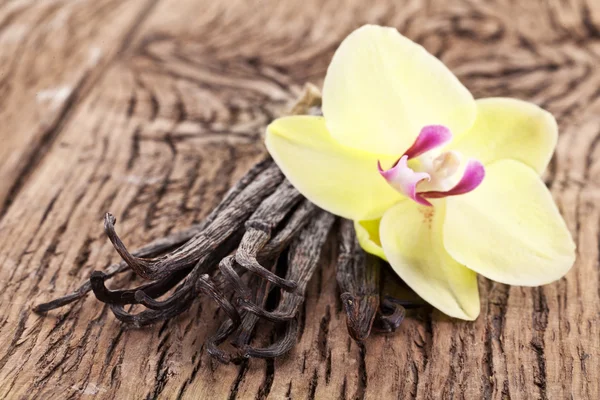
(151, 109)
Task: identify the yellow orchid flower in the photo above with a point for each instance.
(461, 194)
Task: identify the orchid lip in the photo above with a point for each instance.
(402, 178)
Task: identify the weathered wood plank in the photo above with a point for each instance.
(177, 116)
(52, 54)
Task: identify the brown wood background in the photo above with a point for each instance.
(151, 109)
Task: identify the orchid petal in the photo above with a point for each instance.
(509, 229)
(510, 129)
(429, 138)
(367, 233)
(402, 178)
(381, 89)
(411, 237)
(471, 179)
(339, 179)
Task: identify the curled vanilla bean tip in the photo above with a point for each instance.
(213, 342)
(251, 264)
(389, 321)
(154, 248)
(101, 292)
(277, 349)
(139, 265)
(360, 314)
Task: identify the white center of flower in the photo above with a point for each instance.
(442, 170)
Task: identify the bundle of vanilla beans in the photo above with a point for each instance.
(263, 239)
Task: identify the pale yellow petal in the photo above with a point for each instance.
(510, 129)
(411, 236)
(339, 179)
(509, 229)
(381, 89)
(367, 233)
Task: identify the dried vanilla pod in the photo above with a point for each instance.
(258, 289)
(236, 189)
(128, 296)
(301, 266)
(259, 285)
(396, 300)
(357, 274)
(226, 223)
(161, 245)
(243, 332)
(303, 258)
(259, 229)
(153, 249)
(389, 316)
(279, 348)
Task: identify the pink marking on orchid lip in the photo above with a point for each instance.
(402, 178)
(430, 137)
(471, 179)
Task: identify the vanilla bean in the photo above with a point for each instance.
(389, 317)
(213, 342)
(358, 276)
(297, 220)
(226, 224)
(162, 245)
(150, 317)
(395, 299)
(279, 348)
(231, 271)
(303, 259)
(205, 285)
(259, 229)
(260, 226)
(249, 320)
(128, 296)
(226, 267)
(235, 190)
(155, 248)
(180, 301)
(245, 328)
(176, 304)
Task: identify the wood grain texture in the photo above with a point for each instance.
(168, 113)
